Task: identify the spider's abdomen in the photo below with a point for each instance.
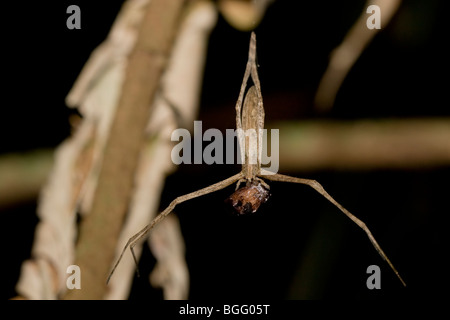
(249, 198)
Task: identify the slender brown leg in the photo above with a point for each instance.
(318, 187)
(142, 233)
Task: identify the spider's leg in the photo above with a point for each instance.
(318, 187)
(238, 184)
(144, 231)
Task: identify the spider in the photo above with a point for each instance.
(250, 116)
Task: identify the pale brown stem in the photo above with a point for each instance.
(101, 228)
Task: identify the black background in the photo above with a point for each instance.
(403, 73)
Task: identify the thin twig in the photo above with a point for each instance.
(304, 145)
(347, 53)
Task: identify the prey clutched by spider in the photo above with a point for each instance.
(247, 199)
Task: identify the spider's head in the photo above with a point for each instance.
(249, 198)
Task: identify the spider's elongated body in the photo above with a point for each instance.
(250, 118)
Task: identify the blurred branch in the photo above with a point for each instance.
(101, 228)
(345, 55)
(166, 242)
(364, 144)
(306, 145)
(22, 175)
(74, 177)
(243, 15)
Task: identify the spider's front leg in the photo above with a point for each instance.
(144, 231)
